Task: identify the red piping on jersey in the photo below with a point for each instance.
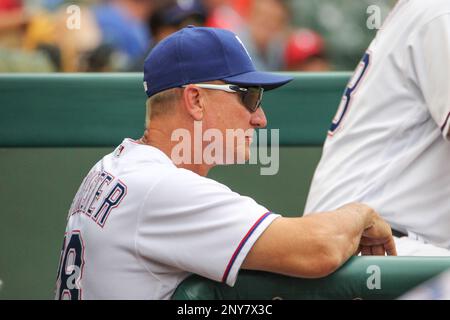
(241, 244)
(445, 122)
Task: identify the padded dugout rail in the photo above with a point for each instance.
(359, 278)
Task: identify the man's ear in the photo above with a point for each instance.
(193, 102)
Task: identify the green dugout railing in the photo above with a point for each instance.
(360, 278)
(53, 128)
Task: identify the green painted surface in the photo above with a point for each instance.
(99, 110)
(38, 184)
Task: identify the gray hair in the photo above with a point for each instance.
(162, 103)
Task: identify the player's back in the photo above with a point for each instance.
(139, 225)
(385, 145)
(100, 258)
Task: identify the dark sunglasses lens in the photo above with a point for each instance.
(252, 99)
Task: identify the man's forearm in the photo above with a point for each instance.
(315, 245)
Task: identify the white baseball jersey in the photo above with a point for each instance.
(388, 144)
(139, 225)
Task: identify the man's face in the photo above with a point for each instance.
(225, 112)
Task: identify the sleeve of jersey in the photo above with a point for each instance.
(431, 54)
(198, 225)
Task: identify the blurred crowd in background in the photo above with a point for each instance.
(117, 35)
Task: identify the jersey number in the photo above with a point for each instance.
(70, 268)
(349, 92)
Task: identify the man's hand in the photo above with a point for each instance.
(377, 240)
(316, 245)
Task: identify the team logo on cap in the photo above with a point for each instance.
(145, 86)
(243, 46)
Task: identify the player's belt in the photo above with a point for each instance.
(398, 234)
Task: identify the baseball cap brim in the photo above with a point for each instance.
(266, 80)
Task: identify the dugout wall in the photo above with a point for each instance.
(54, 127)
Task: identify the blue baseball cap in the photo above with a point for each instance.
(200, 54)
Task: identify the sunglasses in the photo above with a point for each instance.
(250, 97)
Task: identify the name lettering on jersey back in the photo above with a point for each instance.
(98, 195)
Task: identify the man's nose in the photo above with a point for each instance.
(258, 119)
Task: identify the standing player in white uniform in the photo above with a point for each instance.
(388, 145)
(140, 224)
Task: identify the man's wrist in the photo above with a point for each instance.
(362, 213)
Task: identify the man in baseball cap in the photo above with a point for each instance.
(198, 54)
(200, 60)
(146, 216)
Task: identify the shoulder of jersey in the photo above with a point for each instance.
(432, 7)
